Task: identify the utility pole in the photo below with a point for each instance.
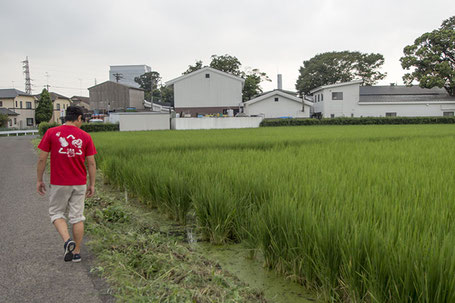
(118, 76)
(28, 81)
(47, 81)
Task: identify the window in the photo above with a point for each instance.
(332, 115)
(337, 95)
(276, 99)
(29, 121)
(447, 114)
(207, 75)
(322, 97)
(58, 106)
(352, 115)
(1, 103)
(15, 121)
(390, 114)
(28, 105)
(21, 104)
(10, 123)
(16, 103)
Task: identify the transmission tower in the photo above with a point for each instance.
(28, 81)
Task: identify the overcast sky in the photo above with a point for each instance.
(75, 42)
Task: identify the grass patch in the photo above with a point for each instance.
(145, 261)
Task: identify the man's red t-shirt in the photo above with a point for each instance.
(68, 146)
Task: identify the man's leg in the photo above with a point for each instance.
(62, 228)
(76, 214)
(78, 234)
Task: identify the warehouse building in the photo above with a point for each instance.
(350, 99)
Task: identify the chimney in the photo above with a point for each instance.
(280, 81)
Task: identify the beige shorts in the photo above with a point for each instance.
(67, 200)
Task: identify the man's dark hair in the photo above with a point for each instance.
(73, 112)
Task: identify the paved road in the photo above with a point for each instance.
(31, 254)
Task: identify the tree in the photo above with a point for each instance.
(432, 58)
(335, 67)
(149, 83)
(43, 112)
(3, 120)
(252, 87)
(228, 64)
(192, 68)
(167, 94)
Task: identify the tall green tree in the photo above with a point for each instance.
(253, 79)
(149, 83)
(227, 63)
(167, 94)
(43, 112)
(193, 68)
(336, 67)
(432, 58)
(3, 120)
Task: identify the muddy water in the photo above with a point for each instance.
(234, 258)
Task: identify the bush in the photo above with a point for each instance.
(100, 127)
(358, 121)
(88, 127)
(44, 126)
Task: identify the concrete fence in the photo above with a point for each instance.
(215, 123)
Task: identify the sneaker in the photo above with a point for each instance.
(77, 258)
(69, 246)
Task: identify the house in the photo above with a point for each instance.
(207, 91)
(60, 103)
(350, 99)
(277, 104)
(112, 96)
(19, 106)
(80, 101)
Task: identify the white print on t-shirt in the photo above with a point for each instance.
(58, 134)
(77, 143)
(63, 142)
(71, 152)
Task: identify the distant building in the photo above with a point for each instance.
(350, 99)
(207, 91)
(19, 106)
(126, 73)
(276, 104)
(112, 96)
(83, 102)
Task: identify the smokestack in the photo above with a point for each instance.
(280, 81)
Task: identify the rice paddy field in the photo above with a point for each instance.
(357, 213)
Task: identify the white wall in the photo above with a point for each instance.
(142, 121)
(270, 108)
(215, 123)
(350, 105)
(403, 110)
(199, 91)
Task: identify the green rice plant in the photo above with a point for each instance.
(360, 213)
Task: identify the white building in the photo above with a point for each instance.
(127, 73)
(277, 104)
(207, 91)
(350, 99)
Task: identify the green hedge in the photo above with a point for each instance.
(88, 127)
(358, 121)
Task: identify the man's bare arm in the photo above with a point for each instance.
(91, 164)
(40, 186)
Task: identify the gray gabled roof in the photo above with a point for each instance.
(403, 94)
(11, 93)
(8, 112)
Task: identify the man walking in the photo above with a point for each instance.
(69, 147)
